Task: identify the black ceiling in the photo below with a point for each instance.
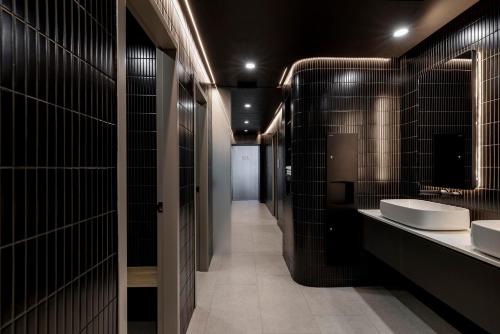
(276, 33)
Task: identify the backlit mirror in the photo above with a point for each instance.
(446, 128)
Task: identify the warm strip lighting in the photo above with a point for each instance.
(459, 60)
(199, 41)
(300, 61)
(277, 116)
(479, 111)
(280, 83)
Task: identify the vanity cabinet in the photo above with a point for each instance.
(469, 286)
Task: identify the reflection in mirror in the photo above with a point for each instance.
(446, 123)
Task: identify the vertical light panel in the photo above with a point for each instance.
(479, 117)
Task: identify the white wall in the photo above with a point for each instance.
(221, 169)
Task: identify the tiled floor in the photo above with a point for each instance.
(250, 291)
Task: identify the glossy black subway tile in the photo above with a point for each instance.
(46, 208)
(141, 146)
(336, 96)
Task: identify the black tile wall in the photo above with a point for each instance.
(287, 222)
(141, 146)
(58, 254)
(187, 241)
(476, 29)
(330, 96)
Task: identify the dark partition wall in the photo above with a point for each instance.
(266, 172)
(339, 96)
(187, 240)
(58, 167)
(476, 29)
(141, 147)
(262, 171)
(280, 172)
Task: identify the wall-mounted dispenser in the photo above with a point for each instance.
(342, 232)
(342, 168)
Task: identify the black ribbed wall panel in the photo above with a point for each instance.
(330, 96)
(141, 146)
(476, 29)
(187, 241)
(58, 254)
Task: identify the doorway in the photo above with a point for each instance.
(142, 183)
(245, 172)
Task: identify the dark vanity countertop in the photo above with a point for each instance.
(457, 240)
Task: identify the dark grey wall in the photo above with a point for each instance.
(337, 96)
(58, 254)
(477, 29)
(141, 147)
(266, 176)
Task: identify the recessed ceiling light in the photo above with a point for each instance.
(400, 32)
(248, 105)
(250, 66)
(246, 121)
(246, 130)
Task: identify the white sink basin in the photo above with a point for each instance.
(485, 236)
(426, 215)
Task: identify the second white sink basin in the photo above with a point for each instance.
(426, 215)
(485, 236)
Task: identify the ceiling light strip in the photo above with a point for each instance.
(277, 116)
(300, 61)
(175, 21)
(199, 41)
(280, 83)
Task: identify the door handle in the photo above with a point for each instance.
(159, 207)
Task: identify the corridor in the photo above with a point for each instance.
(194, 166)
(250, 290)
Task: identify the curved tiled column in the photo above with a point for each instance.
(336, 96)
